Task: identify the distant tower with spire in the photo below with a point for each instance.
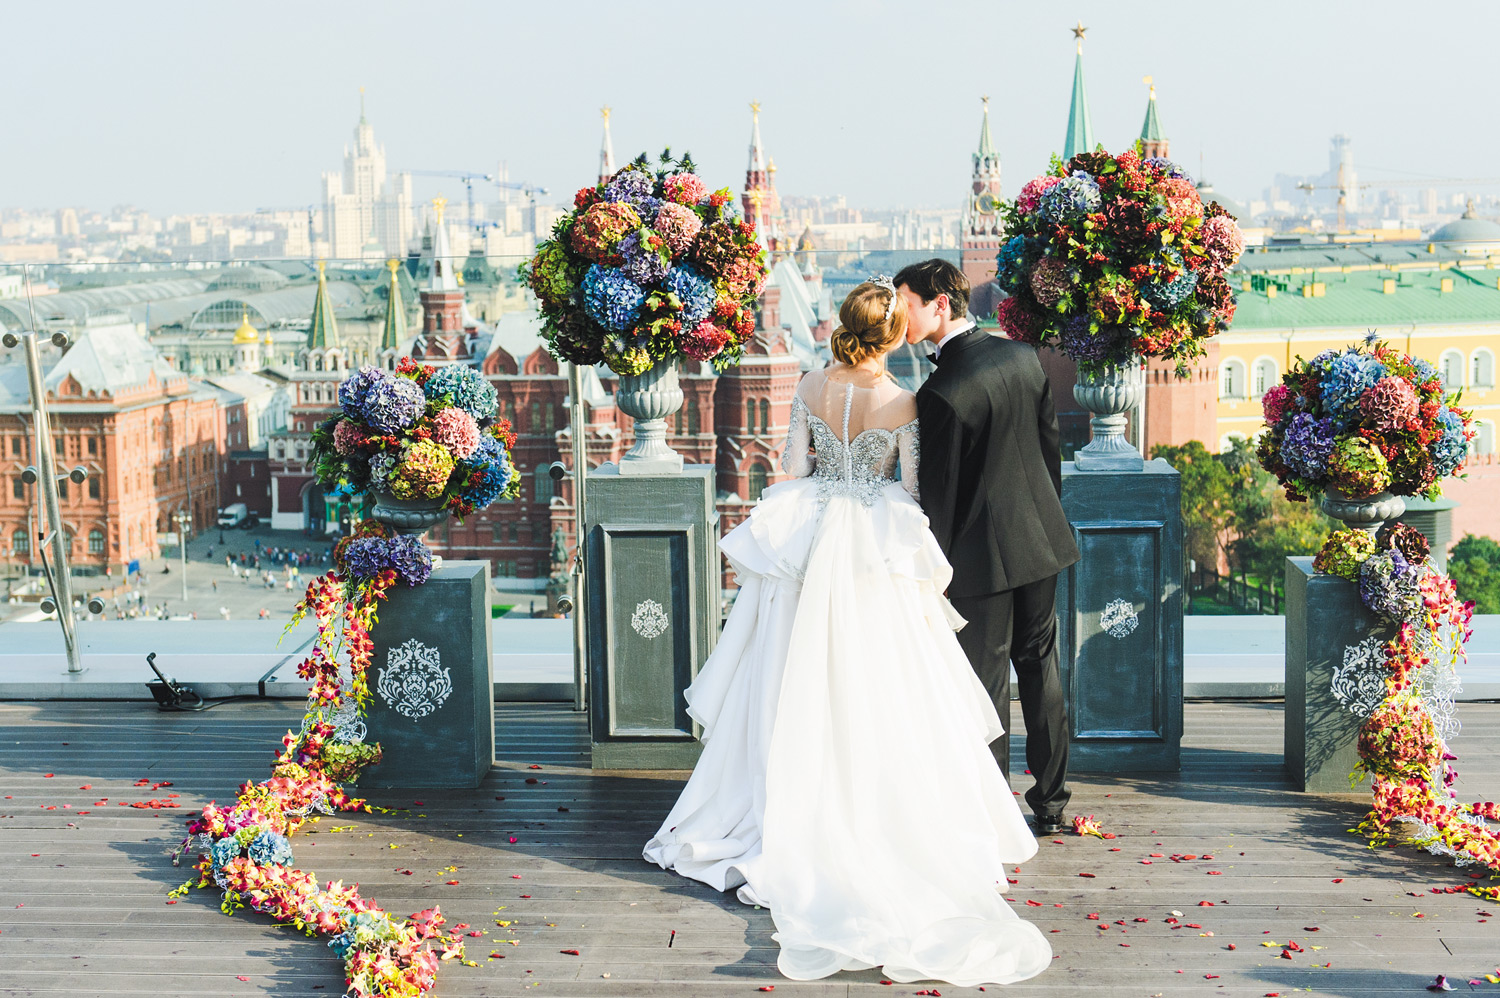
(606, 149)
(324, 350)
(1153, 139)
(1080, 131)
(394, 334)
(983, 230)
(445, 337)
(761, 203)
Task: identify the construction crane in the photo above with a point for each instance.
(467, 176)
(311, 209)
(1343, 187)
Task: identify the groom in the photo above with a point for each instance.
(990, 479)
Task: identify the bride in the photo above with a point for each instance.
(846, 781)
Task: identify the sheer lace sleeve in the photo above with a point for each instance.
(795, 457)
(909, 449)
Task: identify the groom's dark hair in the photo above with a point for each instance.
(931, 278)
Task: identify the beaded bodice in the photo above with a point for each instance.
(861, 466)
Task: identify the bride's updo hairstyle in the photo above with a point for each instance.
(871, 321)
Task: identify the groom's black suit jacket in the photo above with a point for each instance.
(990, 472)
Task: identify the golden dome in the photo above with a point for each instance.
(246, 333)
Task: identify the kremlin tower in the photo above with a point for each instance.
(1080, 136)
(983, 231)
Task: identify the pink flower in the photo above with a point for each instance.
(704, 341)
(347, 437)
(679, 226)
(1031, 195)
(1275, 402)
(1223, 241)
(684, 188)
(457, 431)
(1389, 404)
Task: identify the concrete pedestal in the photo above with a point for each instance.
(1326, 625)
(1120, 619)
(653, 612)
(431, 704)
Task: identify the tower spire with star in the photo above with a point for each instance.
(1080, 136)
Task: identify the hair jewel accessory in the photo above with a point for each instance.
(884, 281)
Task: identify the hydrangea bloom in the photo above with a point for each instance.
(1348, 376)
(1391, 586)
(1030, 197)
(1449, 449)
(610, 298)
(1223, 240)
(410, 558)
(717, 246)
(422, 472)
(1081, 343)
(1181, 197)
(626, 358)
(1274, 403)
(679, 226)
(1018, 321)
(1403, 537)
(641, 252)
(599, 230)
(1167, 167)
(1357, 468)
(704, 341)
(1167, 295)
(1049, 281)
(456, 430)
(1389, 404)
(1307, 444)
(489, 451)
(355, 387)
(627, 184)
(1344, 552)
(467, 387)
(494, 479)
(695, 291)
(381, 466)
(393, 404)
(270, 848)
(224, 850)
(684, 188)
(347, 436)
(551, 276)
(744, 277)
(1070, 199)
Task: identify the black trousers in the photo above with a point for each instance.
(1020, 626)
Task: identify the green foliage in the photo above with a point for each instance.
(1288, 529)
(1208, 499)
(1474, 567)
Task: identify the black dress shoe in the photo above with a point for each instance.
(1047, 824)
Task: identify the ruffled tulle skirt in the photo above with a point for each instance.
(846, 781)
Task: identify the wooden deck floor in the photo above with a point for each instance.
(83, 907)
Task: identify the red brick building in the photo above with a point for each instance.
(149, 438)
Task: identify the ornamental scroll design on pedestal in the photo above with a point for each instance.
(649, 619)
(414, 681)
(1118, 618)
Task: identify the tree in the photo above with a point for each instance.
(1208, 500)
(1474, 567)
(1287, 530)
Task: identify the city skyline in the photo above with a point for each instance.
(222, 126)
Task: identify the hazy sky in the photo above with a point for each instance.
(223, 107)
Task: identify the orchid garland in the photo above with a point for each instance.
(246, 849)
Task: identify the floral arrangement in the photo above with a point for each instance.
(246, 849)
(419, 432)
(1117, 258)
(1403, 737)
(1363, 420)
(649, 267)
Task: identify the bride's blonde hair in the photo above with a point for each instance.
(871, 321)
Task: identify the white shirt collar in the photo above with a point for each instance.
(968, 325)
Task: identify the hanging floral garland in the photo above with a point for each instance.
(246, 849)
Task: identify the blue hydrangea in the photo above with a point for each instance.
(381, 466)
(367, 557)
(1011, 262)
(695, 291)
(1167, 295)
(224, 850)
(467, 388)
(1424, 370)
(393, 404)
(270, 848)
(1448, 450)
(1391, 586)
(489, 451)
(1081, 343)
(1071, 199)
(628, 184)
(1348, 376)
(354, 389)
(610, 298)
(1306, 445)
(491, 458)
(647, 207)
(642, 265)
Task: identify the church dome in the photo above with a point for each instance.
(1479, 235)
(1207, 193)
(246, 333)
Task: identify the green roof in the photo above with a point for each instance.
(395, 313)
(1080, 131)
(1358, 300)
(1151, 127)
(324, 331)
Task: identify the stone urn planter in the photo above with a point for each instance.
(1109, 394)
(408, 516)
(1363, 512)
(649, 399)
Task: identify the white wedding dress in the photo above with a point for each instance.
(846, 781)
